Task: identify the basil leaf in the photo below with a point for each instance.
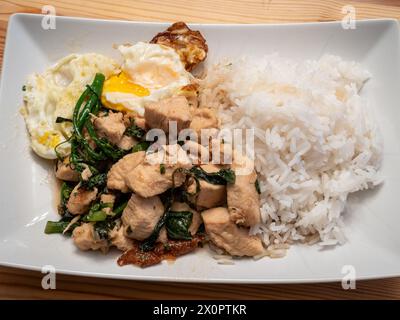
(221, 177)
(257, 185)
(103, 227)
(177, 225)
(98, 180)
(162, 168)
(141, 146)
(135, 131)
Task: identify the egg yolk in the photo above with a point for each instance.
(49, 139)
(121, 83)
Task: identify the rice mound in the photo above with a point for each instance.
(315, 141)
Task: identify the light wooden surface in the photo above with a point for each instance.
(20, 284)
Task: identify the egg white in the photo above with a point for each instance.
(54, 94)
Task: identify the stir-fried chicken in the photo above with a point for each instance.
(203, 118)
(111, 126)
(210, 195)
(159, 114)
(228, 236)
(156, 173)
(243, 199)
(116, 177)
(126, 142)
(65, 172)
(119, 239)
(80, 199)
(85, 238)
(150, 199)
(141, 216)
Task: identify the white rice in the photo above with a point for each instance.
(315, 141)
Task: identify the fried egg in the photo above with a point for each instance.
(54, 94)
(150, 72)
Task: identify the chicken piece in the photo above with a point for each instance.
(141, 216)
(80, 199)
(159, 114)
(107, 199)
(210, 195)
(126, 142)
(111, 127)
(196, 218)
(119, 239)
(118, 172)
(191, 92)
(197, 153)
(138, 120)
(221, 152)
(85, 238)
(203, 118)
(190, 45)
(243, 198)
(228, 236)
(65, 172)
(86, 173)
(154, 175)
(162, 236)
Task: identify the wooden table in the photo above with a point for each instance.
(20, 284)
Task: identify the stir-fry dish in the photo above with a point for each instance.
(150, 156)
(150, 199)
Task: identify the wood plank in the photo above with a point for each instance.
(21, 284)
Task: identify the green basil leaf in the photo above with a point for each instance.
(257, 185)
(162, 168)
(221, 177)
(141, 146)
(135, 131)
(177, 225)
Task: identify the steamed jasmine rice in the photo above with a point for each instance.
(315, 141)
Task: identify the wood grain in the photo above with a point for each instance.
(20, 284)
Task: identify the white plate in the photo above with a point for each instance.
(26, 196)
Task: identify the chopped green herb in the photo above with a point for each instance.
(57, 226)
(135, 131)
(61, 120)
(162, 168)
(65, 193)
(119, 209)
(23, 88)
(177, 225)
(148, 244)
(221, 177)
(103, 227)
(141, 146)
(96, 212)
(257, 185)
(99, 181)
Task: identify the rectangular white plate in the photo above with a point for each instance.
(26, 196)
